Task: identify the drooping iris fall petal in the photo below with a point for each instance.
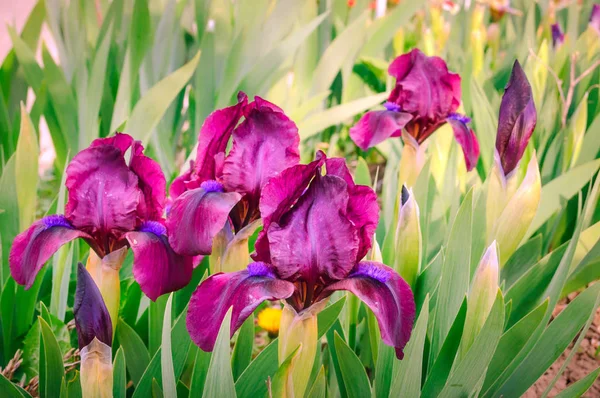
(91, 316)
(34, 246)
(197, 216)
(151, 181)
(244, 290)
(377, 126)
(466, 138)
(214, 136)
(103, 192)
(156, 267)
(388, 296)
(300, 245)
(264, 144)
(516, 120)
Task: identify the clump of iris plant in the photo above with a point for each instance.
(215, 206)
(318, 226)
(116, 197)
(425, 97)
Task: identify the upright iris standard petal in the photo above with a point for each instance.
(388, 296)
(316, 239)
(151, 181)
(466, 138)
(197, 216)
(264, 144)
(244, 290)
(103, 193)
(120, 141)
(516, 121)
(424, 87)
(156, 267)
(34, 246)
(214, 136)
(363, 210)
(278, 196)
(91, 316)
(377, 126)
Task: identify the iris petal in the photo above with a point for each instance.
(214, 136)
(388, 296)
(151, 181)
(466, 139)
(264, 144)
(316, 239)
(377, 126)
(196, 217)
(34, 246)
(156, 267)
(244, 290)
(103, 192)
(278, 196)
(91, 316)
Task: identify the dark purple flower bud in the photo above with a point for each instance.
(558, 37)
(91, 316)
(516, 120)
(595, 18)
(316, 229)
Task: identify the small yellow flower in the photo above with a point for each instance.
(269, 319)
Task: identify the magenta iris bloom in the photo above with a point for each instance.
(223, 190)
(317, 229)
(426, 96)
(113, 202)
(516, 120)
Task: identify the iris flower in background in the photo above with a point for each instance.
(426, 96)
(218, 197)
(558, 37)
(595, 18)
(317, 228)
(512, 199)
(94, 333)
(114, 202)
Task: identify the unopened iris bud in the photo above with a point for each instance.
(230, 252)
(558, 37)
(481, 297)
(94, 332)
(511, 206)
(299, 330)
(595, 18)
(105, 273)
(408, 238)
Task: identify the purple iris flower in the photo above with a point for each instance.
(317, 228)
(516, 120)
(558, 37)
(426, 96)
(113, 202)
(595, 18)
(223, 190)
